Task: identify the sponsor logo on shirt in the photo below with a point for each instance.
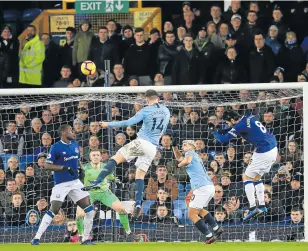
(70, 158)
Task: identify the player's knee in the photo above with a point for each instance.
(193, 214)
(55, 207)
(140, 173)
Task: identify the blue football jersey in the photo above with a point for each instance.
(155, 119)
(62, 154)
(253, 131)
(197, 171)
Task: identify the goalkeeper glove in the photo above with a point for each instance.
(175, 142)
(69, 170)
(212, 127)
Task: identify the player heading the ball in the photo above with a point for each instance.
(265, 155)
(155, 119)
(203, 190)
(63, 159)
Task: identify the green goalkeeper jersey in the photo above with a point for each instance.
(91, 174)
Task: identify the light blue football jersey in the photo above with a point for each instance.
(197, 171)
(155, 119)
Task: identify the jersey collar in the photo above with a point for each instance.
(65, 143)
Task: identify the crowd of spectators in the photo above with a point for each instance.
(236, 46)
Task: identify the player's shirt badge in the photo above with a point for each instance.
(76, 150)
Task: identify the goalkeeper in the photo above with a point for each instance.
(103, 194)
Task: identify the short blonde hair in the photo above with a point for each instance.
(190, 142)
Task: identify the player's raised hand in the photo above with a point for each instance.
(212, 127)
(103, 124)
(175, 141)
(69, 170)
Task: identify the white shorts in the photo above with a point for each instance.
(144, 150)
(71, 189)
(261, 163)
(202, 196)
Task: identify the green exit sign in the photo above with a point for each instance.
(102, 6)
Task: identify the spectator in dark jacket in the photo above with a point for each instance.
(4, 65)
(11, 142)
(120, 78)
(155, 40)
(15, 213)
(103, 49)
(230, 70)
(251, 28)
(216, 16)
(10, 45)
(237, 30)
(139, 59)
(65, 79)
(166, 55)
(275, 210)
(187, 67)
(206, 48)
(291, 58)
(113, 35)
(128, 39)
(51, 64)
(282, 27)
(234, 9)
(67, 49)
(261, 61)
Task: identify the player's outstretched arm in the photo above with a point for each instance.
(224, 138)
(132, 121)
(177, 154)
(56, 168)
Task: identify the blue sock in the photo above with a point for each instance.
(108, 169)
(139, 191)
(209, 219)
(202, 227)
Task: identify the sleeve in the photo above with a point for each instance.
(39, 55)
(132, 121)
(52, 155)
(20, 146)
(226, 137)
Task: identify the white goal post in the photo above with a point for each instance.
(225, 95)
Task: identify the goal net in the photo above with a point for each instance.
(29, 123)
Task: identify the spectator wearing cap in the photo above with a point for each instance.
(216, 16)
(261, 61)
(31, 60)
(166, 56)
(46, 142)
(161, 181)
(82, 43)
(52, 64)
(234, 8)
(103, 49)
(251, 28)
(230, 70)
(127, 39)
(187, 67)
(219, 39)
(271, 39)
(9, 45)
(65, 79)
(295, 193)
(67, 48)
(291, 57)
(236, 29)
(206, 48)
(140, 60)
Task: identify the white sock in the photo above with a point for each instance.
(260, 192)
(88, 223)
(47, 219)
(250, 192)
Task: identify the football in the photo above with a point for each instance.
(88, 68)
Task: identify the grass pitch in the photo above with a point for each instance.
(280, 246)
